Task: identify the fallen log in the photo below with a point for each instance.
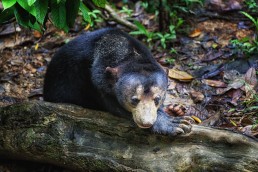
(88, 140)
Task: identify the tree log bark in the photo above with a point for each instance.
(88, 140)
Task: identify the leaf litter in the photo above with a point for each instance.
(204, 82)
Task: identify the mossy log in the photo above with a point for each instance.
(87, 140)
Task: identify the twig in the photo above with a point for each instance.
(118, 19)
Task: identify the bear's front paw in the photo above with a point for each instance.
(173, 125)
(180, 125)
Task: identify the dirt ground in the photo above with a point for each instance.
(25, 55)
(208, 81)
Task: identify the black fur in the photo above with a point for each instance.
(77, 74)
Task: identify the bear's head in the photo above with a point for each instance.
(142, 94)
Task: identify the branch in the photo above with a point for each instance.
(118, 19)
(87, 140)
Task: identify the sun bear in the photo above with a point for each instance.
(111, 71)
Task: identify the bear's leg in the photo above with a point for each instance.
(168, 125)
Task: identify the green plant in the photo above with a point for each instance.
(245, 46)
(142, 31)
(94, 14)
(252, 104)
(170, 9)
(173, 51)
(126, 11)
(184, 5)
(255, 21)
(35, 13)
(151, 36)
(170, 61)
(252, 109)
(167, 36)
(145, 5)
(251, 5)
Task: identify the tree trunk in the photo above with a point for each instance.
(87, 140)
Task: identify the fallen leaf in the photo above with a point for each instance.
(236, 95)
(37, 46)
(196, 96)
(7, 29)
(250, 83)
(223, 5)
(246, 120)
(195, 33)
(250, 77)
(247, 130)
(196, 119)
(214, 45)
(198, 111)
(233, 122)
(236, 84)
(213, 120)
(212, 56)
(87, 27)
(214, 83)
(180, 75)
(37, 34)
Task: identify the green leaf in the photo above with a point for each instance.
(179, 22)
(25, 5)
(85, 12)
(159, 35)
(141, 27)
(58, 14)
(25, 19)
(72, 7)
(31, 2)
(249, 16)
(100, 3)
(35, 26)
(22, 16)
(137, 33)
(6, 15)
(41, 7)
(8, 3)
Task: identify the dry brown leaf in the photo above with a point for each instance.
(236, 95)
(233, 122)
(195, 33)
(250, 77)
(251, 82)
(196, 96)
(223, 5)
(246, 130)
(36, 46)
(236, 84)
(214, 83)
(180, 75)
(196, 119)
(212, 56)
(37, 34)
(87, 27)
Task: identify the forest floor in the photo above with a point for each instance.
(208, 79)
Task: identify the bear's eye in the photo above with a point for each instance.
(134, 101)
(157, 100)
